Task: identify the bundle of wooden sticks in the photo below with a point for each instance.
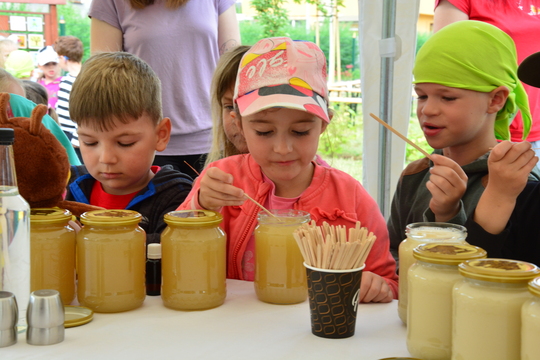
(327, 246)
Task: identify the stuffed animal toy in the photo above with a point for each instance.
(41, 162)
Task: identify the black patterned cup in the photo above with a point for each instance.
(333, 300)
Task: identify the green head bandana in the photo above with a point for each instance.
(477, 56)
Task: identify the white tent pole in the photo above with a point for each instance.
(387, 53)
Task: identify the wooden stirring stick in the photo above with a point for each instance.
(192, 168)
(259, 205)
(401, 136)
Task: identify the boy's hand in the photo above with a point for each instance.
(216, 190)
(373, 288)
(509, 166)
(447, 184)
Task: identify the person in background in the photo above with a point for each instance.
(20, 64)
(462, 111)
(47, 61)
(185, 61)
(506, 217)
(70, 52)
(120, 131)
(37, 93)
(227, 139)
(6, 47)
(281, 111)
(521, 21)
(20, 106)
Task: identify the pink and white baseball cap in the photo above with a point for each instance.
(280, 72)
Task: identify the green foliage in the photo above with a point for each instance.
(272, 15)
(343, 136)
(76, 25)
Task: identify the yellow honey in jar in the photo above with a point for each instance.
(111, 256)
(52, 251)
(193, 261)
(487, 306)
(418, 234)
(280, 276)
(431, 281)
(530, 323)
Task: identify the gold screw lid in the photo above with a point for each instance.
(49, 216)
(534, 286)
(447, 254)
(436, 231)
(111, 217)
(499, 270)
(193, 218)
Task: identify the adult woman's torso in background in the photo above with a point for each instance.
(182, 47)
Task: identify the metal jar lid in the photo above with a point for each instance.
(447, 254)
(499, 270)
(49, 216)
(193, 218)
(111, 217)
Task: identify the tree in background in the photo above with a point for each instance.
(77, 25)
(272, 16)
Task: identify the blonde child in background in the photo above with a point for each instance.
(47, 61)
(227, 139)
(281, 109)
(506, 219)
(6, 47)
(465, 76)
(20, 64)
(20, 106)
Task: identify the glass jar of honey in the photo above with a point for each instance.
(52, 252)
(530, 323)
(111, 257)
(431, 281)
(487, 306)
(417, 234)
(280, 276)
(194, 260)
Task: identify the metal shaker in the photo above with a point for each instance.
(9, 315)
(45, 317)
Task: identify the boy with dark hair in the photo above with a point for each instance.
(70, 52)
(120, 130)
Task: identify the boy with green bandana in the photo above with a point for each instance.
(468, 91)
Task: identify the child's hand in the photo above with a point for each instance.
(373, 288)
(447, 184)
(509, 166)
(216, 190)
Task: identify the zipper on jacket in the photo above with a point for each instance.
(239, 244)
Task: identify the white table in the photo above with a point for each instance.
(242, 328)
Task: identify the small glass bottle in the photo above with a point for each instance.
(487, 306)
(193, 260)
(431, 281)
(14, 230)
(530, 323)
(52, 243)
(417, 234)
(153, 269)
(111, 256)
(280, 276)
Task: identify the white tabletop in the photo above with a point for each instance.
(242, 328)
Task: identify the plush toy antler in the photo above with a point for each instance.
(41, 162)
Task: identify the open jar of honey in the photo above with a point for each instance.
(280, 276)
(431, 281)
(193, 260)
(52, 251)
(487, 306)
(530, 323)
(417, 234)
(111, 257)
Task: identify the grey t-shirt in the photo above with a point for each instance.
(181, 46)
